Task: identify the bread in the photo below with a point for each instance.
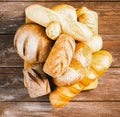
(61, 95)
(66, 11)
(93, 85)
(41, 15)
(60, 56)
(95, 43)
(44, 16)
(90, 18)
(76, 30)
(101, 61)
(83, 54)
(73, 74)
(31, 43)
(53, 30)
(36, 81)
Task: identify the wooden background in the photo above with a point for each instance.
(14, 99)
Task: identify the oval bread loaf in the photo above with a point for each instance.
(31, 43)
(60, 56)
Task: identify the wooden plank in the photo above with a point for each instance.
(12, 88)
(12, 15)
(9, 57)
(60, 0)
(73, 109)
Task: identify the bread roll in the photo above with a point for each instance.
(73, 74)
(53, 30)
(60, 56)
(95, 43)
(36, 81)
(90, 18)
(66, 11)
(83, 54)
(31, 43)
(101, 61)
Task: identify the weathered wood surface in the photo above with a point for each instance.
(109, 15)
(9, 57)
(12, 88)
(44, 109)
(104, 101)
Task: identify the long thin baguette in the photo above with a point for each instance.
(60, 56)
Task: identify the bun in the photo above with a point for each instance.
(31, 43)
(60, 56)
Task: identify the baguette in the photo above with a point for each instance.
(90, 18)
(44, 16)
(60, 56)
(36, 81)
(61, 95)
(31, 43)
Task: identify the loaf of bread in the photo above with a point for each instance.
(31, 43)
(66, 11)
(88, 17)
(73, 74)
(36, 81)
(44, 16)
(60, 56)
(83, 54)
(61, 95)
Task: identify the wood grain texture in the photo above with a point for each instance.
(12, 88)
(10, 58)
(12, 15)
(104, 101)
(44, 109)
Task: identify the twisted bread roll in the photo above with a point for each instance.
(36, 81)
(90, 18)
(31, 43)
(60, 56)
(61, 95)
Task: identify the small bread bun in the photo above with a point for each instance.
(60, 56)
(53, 30)
(31, 43)
(66, 11)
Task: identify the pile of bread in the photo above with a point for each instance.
(61, 48)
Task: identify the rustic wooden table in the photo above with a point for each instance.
(14, 99)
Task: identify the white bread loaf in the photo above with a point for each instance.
(60, 56)
(31, 43)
